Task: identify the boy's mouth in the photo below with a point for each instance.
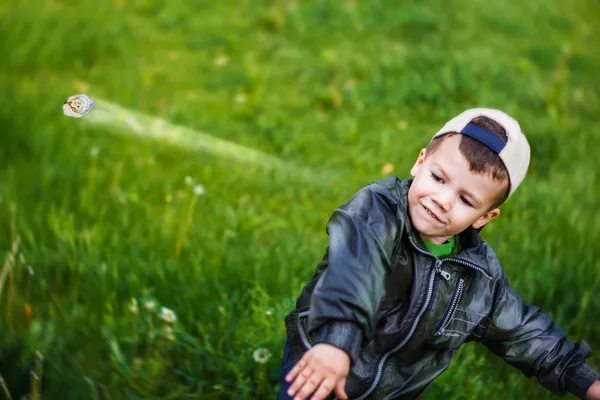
(431, 213)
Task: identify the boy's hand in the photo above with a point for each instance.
(323, 367)
(593, 392)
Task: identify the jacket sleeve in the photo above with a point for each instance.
(529, 340)
(346, 298)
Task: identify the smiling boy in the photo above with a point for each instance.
(406, 280)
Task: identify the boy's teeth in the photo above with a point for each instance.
(430, 213)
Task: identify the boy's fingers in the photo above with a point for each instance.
(300, 379)
(340, 389)
(314, 380)
(326, 387)
(297, 368)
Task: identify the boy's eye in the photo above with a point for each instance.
(435, 177)
(464, 200)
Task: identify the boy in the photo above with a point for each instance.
(406, 280)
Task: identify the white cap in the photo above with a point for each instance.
(515, 153)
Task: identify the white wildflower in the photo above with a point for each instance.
(150, 305)
(269, 313)
(261, 355)
(167, 315)
(133, 306)
(199, 190)
(221, 60)
(240, 98)
(169, 333)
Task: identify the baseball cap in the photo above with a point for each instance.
(515, 153)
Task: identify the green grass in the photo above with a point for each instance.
(333, 91)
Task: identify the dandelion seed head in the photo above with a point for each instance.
(221, 60)
(240, 98)
(150, 305)
(262, 355)
(199, 190)
(169, 333)
(168, 315)
(133, 306)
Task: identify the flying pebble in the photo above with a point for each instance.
(78, 106)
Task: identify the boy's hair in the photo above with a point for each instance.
(480, 157)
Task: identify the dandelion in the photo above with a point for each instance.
(261, 355)
(133, 306)
(221, 60)
(240, 98)
(387, 169)
(167, 315)
(150, 305)
(169, 333)
(199, 190)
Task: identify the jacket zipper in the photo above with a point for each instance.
(455, 299)
(437, 270)
(470, 265)
(407, 338)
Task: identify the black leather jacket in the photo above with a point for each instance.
(400, 312)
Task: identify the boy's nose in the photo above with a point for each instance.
(444, 200)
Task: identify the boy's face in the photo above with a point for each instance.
(445, 197)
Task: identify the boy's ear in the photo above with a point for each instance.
(485, 218)
(418, 163)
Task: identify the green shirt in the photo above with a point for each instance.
(442, 250)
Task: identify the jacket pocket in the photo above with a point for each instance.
(458, 291)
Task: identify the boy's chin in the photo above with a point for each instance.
(425, 229)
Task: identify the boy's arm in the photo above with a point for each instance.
(347, 295)
(529, 340)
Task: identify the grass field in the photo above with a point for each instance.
(224, 135)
